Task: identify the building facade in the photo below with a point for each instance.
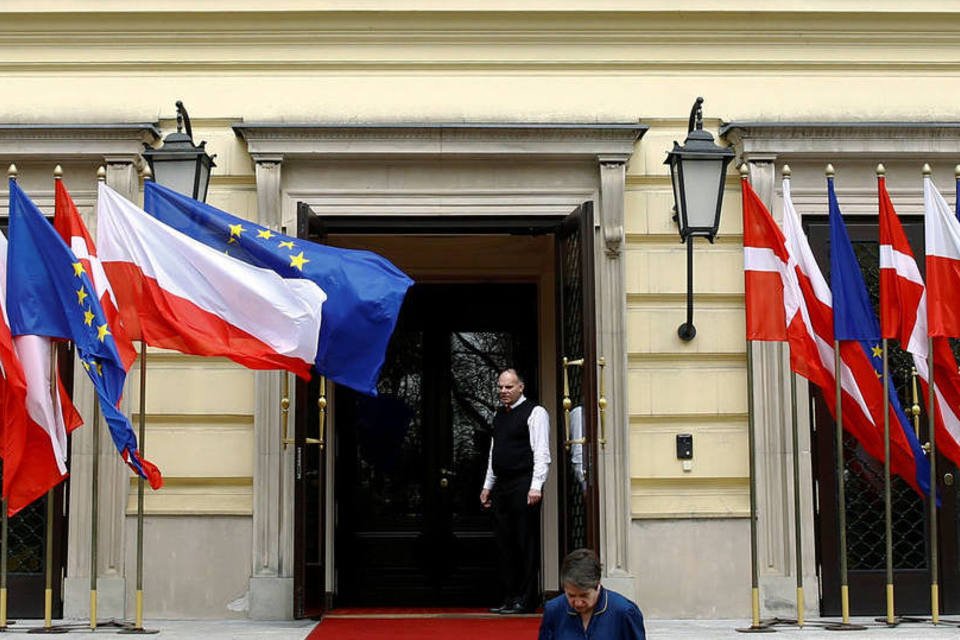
(510, 160)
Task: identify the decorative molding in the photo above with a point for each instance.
(62, 142)
(566, 141)
(813, 140)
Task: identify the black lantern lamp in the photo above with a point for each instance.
(697, 171)
(178, 163)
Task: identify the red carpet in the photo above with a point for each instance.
(423, 624)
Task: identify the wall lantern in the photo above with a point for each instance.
(697, 170)
(178, 163)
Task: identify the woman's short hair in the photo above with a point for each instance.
(580, 569)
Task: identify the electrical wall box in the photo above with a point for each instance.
(684, 446)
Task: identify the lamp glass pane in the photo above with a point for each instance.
(176, 174)
(675, 181)
(202, 182)
(701, 188)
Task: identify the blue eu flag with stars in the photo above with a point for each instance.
(49, 294)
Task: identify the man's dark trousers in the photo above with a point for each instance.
(517, 527)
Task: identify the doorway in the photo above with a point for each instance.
(503, 292)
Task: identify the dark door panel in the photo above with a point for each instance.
(579, 502)
(310, 457)
(411, 462)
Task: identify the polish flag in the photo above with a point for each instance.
(33, 445)
(942, 232)
(906, 300)
(774, 302)
(71, 228)
(861, 390)
(177, 293)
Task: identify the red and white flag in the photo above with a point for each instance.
(904, 305)
(942, 232)
(774, 302)
(861, 390)
(71, 228)
(178, 293)
(34, 442)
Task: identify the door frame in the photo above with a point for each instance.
(342, 228)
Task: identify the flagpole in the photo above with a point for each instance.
(48, 555)
(94, 512)
(755, 626)
(4, 519)
(841, 491)
(3, 562)
(887, 500)
(138, 611)
(931, 427)
(138, 620)
(797, 515)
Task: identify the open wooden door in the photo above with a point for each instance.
(309, 487)
(577, 383)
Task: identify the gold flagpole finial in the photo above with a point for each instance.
(881, 170)
(926, 169)
(786, 171)
(12, 172)
(58, 173)
(101, 174)
(744, 171)
(956, 171)
(146, 173)
(830, 171)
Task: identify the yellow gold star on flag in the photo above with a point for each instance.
(298, 261)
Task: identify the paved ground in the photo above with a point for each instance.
(656, 630)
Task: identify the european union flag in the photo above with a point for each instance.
(49, 294)
(364, 290)
(854, 319)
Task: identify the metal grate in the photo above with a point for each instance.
(572, 300)
(26, 538)
(866, 545)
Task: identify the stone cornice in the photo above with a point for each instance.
(771, 140)
(574, 140)
(75, 141)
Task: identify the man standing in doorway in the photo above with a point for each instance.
(516, 470)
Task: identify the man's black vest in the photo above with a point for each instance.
(512, 455)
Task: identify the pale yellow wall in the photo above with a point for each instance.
(495, 61)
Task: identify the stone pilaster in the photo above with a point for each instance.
(613, 456)
(271, 583)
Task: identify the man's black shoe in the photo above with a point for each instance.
(501, 608)
(516, 608)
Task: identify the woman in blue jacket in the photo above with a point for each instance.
(586, 610)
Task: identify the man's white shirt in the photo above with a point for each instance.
(539, 426)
